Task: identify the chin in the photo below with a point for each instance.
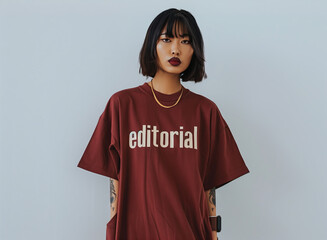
(176, 70)
(176, 73)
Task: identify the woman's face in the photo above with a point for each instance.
(173, 47)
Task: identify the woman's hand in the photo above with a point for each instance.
(214, 235)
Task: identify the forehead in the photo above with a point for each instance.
(176, 27)
(164, 33)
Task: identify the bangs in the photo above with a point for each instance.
(177, 25)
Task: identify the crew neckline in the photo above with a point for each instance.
(162, 96)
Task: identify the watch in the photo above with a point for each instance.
(215, 223)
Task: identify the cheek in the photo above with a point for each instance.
(190, 55)
(159, 46)
(159, 49)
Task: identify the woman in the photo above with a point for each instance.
(165, 148)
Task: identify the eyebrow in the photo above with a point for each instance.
(183, 35)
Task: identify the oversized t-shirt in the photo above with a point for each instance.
(164, 159)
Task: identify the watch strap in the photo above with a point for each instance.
(215, 223)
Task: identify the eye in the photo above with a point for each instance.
(187, 41)
(163, 39)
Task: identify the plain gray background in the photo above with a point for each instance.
(61, 60)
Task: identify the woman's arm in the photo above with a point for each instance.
(211, 197)
(113, 196)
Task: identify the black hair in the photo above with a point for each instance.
(148, 54)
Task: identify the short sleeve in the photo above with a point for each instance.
(102, 154)
(225, 162)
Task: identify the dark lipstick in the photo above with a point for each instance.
(174, 61)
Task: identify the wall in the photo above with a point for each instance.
(61, 60)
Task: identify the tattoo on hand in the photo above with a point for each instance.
(113, 194)
(212, 197)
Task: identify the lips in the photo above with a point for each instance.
(174, 61)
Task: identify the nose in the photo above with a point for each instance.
(175, 47)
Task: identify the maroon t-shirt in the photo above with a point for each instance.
(165, 159)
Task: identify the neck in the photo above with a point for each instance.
(166, 83)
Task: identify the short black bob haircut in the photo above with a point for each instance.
(184, 19)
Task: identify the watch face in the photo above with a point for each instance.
(218, 223)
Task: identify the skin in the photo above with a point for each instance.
(167, 81)
(211, 197)
(113, 196)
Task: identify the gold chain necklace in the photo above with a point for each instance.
(158, 100)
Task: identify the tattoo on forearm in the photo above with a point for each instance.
(113, 194)
(212, 197)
